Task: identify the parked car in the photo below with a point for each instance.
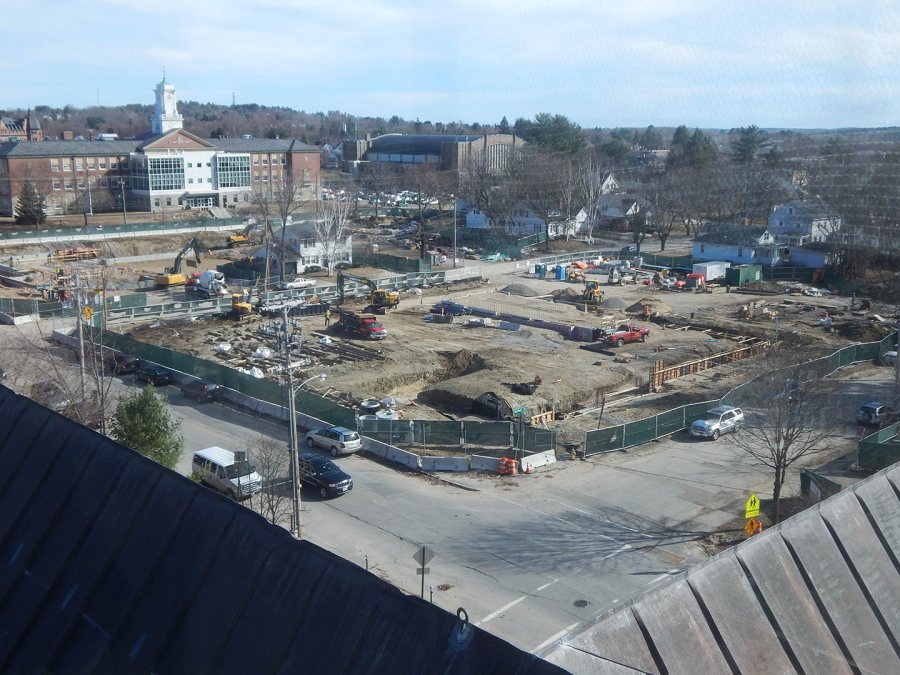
(450, 308)
(721, 420)
(123, 364)
(322, 473)
(337, 440)
(202, 390)
(155, 375)
(875, 414)
(299, 282)
(889, 358)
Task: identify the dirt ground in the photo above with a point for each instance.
(437, 370)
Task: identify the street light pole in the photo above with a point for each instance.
(124, 209)
(454, 231)
(296, 528)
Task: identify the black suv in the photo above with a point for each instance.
(155, 375)
(202, 391)
(324, 474)
(122, 364)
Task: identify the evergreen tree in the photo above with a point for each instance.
(551, 133)
(651, 139)
(750, 141)
(679, 150)
(141, 422)
(701, 150)
(503, 127)
(30, 206)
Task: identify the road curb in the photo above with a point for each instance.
(449, 481)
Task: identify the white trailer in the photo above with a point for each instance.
(711, 270)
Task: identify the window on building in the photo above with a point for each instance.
(190, 166)
(114, 165)
(740, 252)
(102, 163)
(702, 248)
(246, 198)
(79, 165)
(209, 180)
(209, 164)
(284, 160)
(156, 202)
(256, 161)
(233, 171)
(265, 179)
(190, 180)
(66, 165)
(103, 182)
(54, 166)
(56, 185)
(168, 201)
(165, 173)
(67, 185)
(90, 164)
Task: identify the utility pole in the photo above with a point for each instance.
(454, 231)
(296, 528)
(80, 329)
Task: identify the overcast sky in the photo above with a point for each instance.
(708, 63)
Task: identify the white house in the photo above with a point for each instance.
(738, 245)
(800, 222)
(304, 248)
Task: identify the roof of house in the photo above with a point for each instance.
(731, 233)
(112, 563)
(807, 208)
(417, 144)
(124, 147)
(817, 593)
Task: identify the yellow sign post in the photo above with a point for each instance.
(751, 509)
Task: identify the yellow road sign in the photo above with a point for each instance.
(752, 507)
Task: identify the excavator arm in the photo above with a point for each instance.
(342, 278)
(194, 245)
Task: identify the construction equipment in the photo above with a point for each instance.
(363, 325)
(240, 308)
(574, 274)
(173, 275)
(210, 284)
(243, 237)
(379, 298)
(592, 291)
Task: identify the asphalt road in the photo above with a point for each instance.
(529, 557)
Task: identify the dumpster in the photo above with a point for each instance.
(741, 275)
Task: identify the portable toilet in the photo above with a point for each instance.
(560, 273)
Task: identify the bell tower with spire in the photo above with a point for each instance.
(166, 117)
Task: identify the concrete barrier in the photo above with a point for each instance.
(445, 464)
(538, 459)
(482, 463)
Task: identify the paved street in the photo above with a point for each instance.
(528, 557)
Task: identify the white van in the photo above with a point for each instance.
(227, 472)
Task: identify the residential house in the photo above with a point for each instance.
(802, 221)
(738, 244)
(521, 221)
(304, 248)
(617, 211)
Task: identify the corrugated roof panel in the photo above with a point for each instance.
(785, 593)
(738, 617)
(839, 594)
(617, 637)
(883, 505)
(679, 631)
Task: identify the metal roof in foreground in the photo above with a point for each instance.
(819, 593)
(110, 563)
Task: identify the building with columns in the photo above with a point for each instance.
(166, 169)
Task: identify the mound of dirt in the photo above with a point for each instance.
(764, 287)
(566, 295)
(656, 307)
(520, 289)
(614, 303)
(862, 331)
(463, 362)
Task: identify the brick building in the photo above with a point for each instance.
(166, 169)
(27, 128)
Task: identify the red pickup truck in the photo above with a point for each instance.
(627, 332)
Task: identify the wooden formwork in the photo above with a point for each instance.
(660, 374)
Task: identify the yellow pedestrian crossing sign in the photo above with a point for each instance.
(752, 508)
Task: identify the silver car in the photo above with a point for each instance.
(337, 440)
(721, 420)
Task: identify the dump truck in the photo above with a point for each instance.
(363, 325)
(627, 332)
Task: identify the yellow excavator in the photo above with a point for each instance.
(173, 276)
(379, 298)
(242, 237)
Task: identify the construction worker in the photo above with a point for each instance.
(327, 317)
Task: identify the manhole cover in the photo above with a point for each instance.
(444, 587)
(581, 603)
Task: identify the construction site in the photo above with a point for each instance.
(520, 341)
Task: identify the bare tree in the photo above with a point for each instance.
(270, 457)
(332, 228)
(493, 192)
(280, 198)
(788, 416)
(540, 188)
(592, 174)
